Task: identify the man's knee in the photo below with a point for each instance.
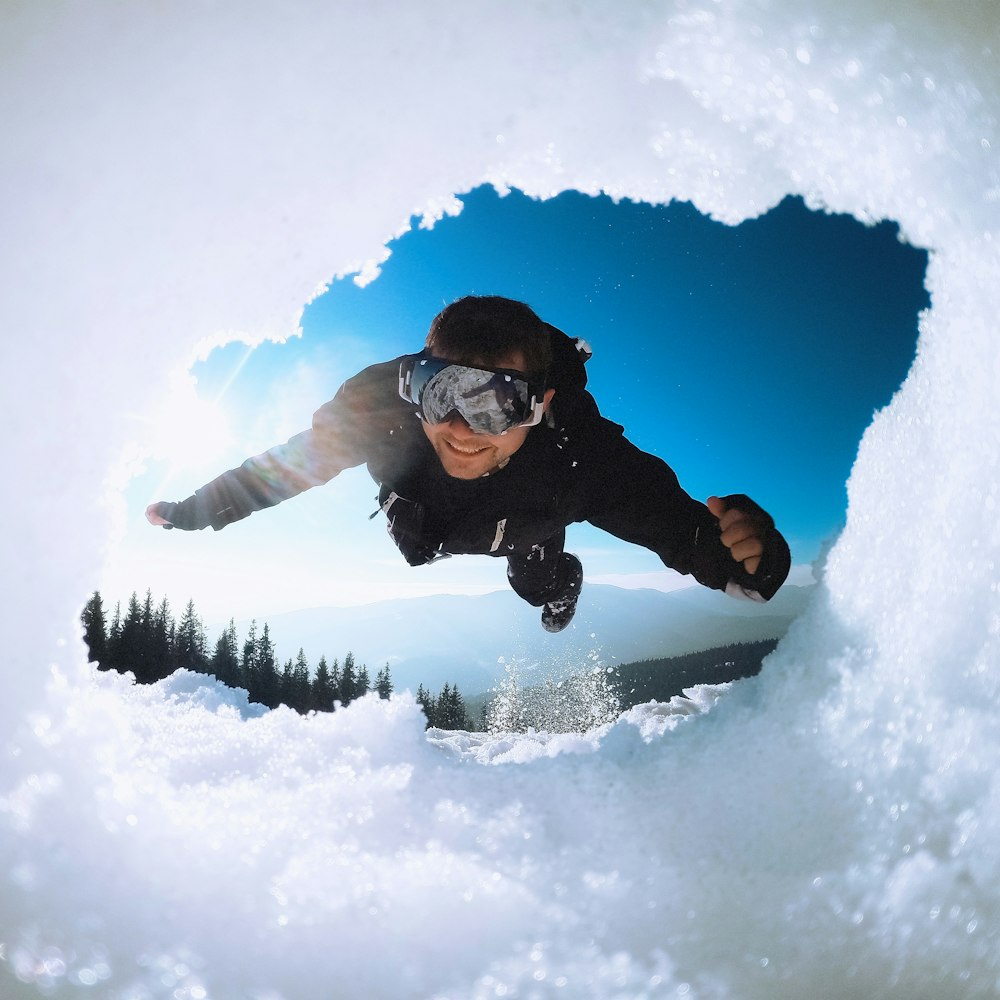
(544, 575)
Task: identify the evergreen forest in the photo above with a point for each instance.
(146, 640)
(662, 678)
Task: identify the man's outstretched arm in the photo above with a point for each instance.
(262, 481)
(336, 441)
(728, 544)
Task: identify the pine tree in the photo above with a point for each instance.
(442, 717)
(189, 646)
(322, 688)
(114, 638)
(364, 684)
(335, 680)
(266, 672)
(95, 631)
(348, 681)
(285, 685)
(146, 615)
(457, 716)
(131, 654)
(225, 661)
(146, 619)
(426, 702)
(301, 697)
(383, 682)
(248, 663)
(161, 641)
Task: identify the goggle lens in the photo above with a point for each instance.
(490, 402)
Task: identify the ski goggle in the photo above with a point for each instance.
(489, 401)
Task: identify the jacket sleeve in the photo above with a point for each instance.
(335, 442)
(637, 497)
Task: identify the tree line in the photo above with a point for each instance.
(662, 678)
(146, 640)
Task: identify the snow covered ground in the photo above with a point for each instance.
(829, 829)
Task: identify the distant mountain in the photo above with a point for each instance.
(468, 640)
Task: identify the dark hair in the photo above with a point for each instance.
(484, 330)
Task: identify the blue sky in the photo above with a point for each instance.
(750, 358)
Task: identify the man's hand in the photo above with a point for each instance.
(743, 532)
(154, 515)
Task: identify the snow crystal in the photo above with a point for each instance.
(176, 174)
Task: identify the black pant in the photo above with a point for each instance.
(541, 575)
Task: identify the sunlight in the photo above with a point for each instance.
(188, 431)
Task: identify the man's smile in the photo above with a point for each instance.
(465, 455)
(469, 448)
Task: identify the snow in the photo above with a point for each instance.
(173, 174)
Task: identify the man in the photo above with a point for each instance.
(488, 442)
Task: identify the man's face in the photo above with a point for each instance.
(468, 455)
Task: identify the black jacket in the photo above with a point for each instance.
(574, 466)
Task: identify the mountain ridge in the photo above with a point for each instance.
(469, 640)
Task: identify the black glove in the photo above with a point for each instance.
(405, 523)
(165, 508)
(776, 559)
